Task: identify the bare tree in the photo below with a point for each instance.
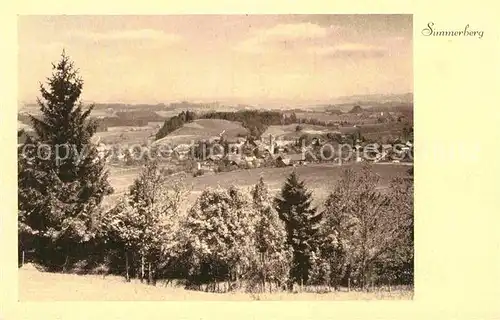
(362, 222)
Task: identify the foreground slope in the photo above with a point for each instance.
(35, 285)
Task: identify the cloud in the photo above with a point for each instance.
(282, 37)
(296, 31)
(140, 34)
(350, 50)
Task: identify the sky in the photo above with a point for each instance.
(245, 58)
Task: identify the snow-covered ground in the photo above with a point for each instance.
(35, 285)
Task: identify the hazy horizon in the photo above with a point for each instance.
(255, 59)
(234, 102)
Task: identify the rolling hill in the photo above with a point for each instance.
(203, 129)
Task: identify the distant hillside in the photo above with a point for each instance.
(356, 109)
(332, 109)
(234, 104)
(377, 98)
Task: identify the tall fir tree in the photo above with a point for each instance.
(301, 224)
(61, 180)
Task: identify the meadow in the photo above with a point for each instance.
(289, 132)
(319, 178)
(128, 135)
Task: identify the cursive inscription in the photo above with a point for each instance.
(431, 30)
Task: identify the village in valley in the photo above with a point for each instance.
(219, 153)
(202, 144)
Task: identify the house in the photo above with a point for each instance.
(165, 151)
(263, 149)
(284, 160)
(181, 151)
(283, 145)
(371, 151)
(237, 146)
(234, 159)
(204, 166)
(179, 155)
(316, 141)
(214, 139)
(253, 162)
(182, 148)
(121, 156)
(104, 151)
(376, 146)
(386, 146)
(214, 157)
(297, 159)
(250, 160)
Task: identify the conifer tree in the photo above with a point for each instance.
(301, 225)
(61, 180)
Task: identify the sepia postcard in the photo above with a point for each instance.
(195, 158)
